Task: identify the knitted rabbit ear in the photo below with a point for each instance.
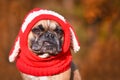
(74, 42)
(15, 50)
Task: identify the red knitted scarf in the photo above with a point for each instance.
(31, 64)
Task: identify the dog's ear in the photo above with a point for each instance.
(15, 49)
(74, 41)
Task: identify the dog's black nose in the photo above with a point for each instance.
(49, 35)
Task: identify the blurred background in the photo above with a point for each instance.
(96, 22)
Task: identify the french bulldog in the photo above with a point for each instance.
(45, 40)
(42, 48)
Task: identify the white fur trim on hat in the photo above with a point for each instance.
(74, 41)
(15, 52)
(34, 14)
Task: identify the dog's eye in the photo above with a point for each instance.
(59, 31)
(41, 27)
(36, 31)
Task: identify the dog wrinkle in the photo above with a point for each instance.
(48, 22)
(52, 25)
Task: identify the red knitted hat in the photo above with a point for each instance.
(29, 63)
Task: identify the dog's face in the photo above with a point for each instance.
(46, 38)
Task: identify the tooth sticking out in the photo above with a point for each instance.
(45, 55)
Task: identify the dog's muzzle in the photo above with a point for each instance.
(47, 43)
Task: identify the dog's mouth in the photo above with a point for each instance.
(47, 48)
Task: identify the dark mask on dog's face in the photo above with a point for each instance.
(46, 38)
